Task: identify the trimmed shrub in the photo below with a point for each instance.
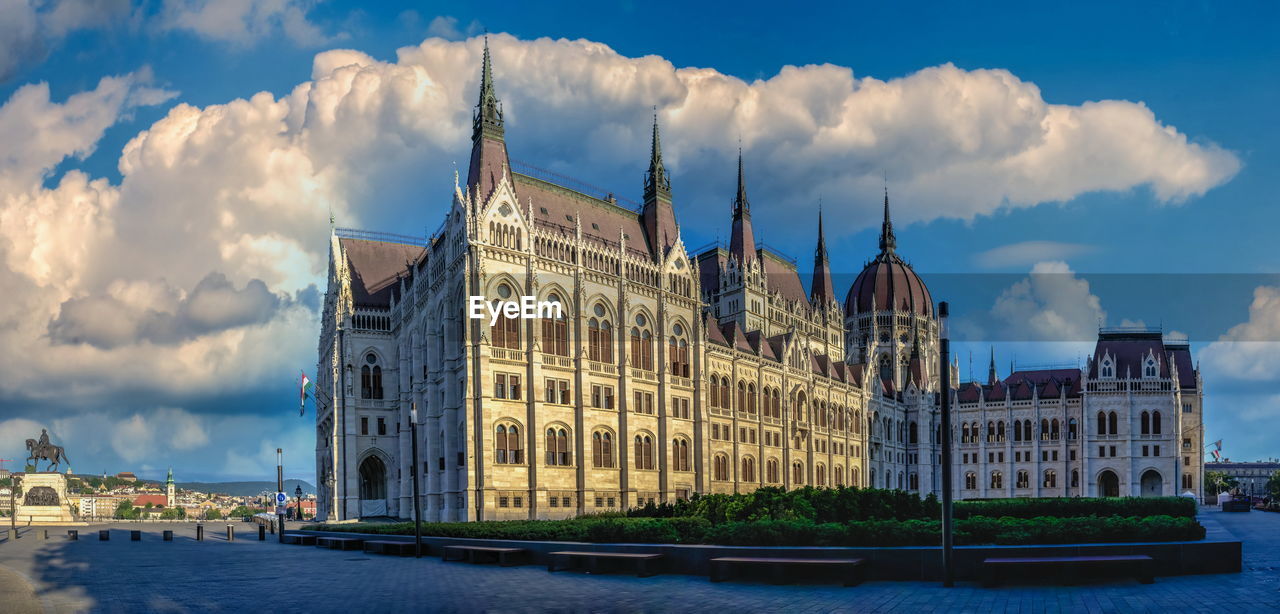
(803, 532)
(1075, 507)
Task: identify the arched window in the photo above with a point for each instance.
(855, 480)
(680, 454)
(1017, 430)
(1155, 423)
(600, 337)
(913, 482)
(725, 393)
(1075, 478)
(751, 399)
(555, 330)
(964, 433)
(1026, 430)
(557, 446)
(797, 474)
(679, 352)
(820, 474)
(1146, 423)
(1024, 479)
(377, 382)
(1111, 423)
(1050, 478)
(1044, 429)
(742, 396)
(798, 414)
(366, 382)
(644, 452)
(720, 468)
(748, 469)
(1000, 431)
(641, 345)
(508, 449)
(991, 431)
(771, 471)
(997, 480)
(1073, 429)
(971, 481)
(602, 449)
(777, 404)
(1102, 423)
(837, 475)
(913, 432)
(505, 331)
(1054, 430)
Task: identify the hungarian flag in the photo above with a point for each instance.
(302, 394)
(1217, 444)
(1217, 456)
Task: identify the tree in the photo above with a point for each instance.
(212, 514)
(169, 513)
(1218, 481)
(1273, 486)
(125, 510)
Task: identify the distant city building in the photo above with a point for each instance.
(672, 371)
(1251, 478)
(127, 476)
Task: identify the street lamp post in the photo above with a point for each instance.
(297, 492)
(280, 488)
(417, 498)
(13, 507)
(944, 398)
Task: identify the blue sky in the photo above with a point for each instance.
(1158, 210)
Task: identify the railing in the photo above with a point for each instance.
(564, 181)
(644, 374)
(682, 381)
(555, 360)
(603, 367)
(507, 354)
(385, 237)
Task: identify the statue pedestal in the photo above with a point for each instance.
(39, 488)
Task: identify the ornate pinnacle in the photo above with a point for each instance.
(656, 179)
(888, 243)
(488, 117)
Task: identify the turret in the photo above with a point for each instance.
(658, 215)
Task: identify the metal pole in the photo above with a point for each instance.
(13, 507)
(944, 397)
(280, 487)
(417, 498)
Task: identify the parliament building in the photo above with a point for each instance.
(672, 371)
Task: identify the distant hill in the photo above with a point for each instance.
(241, 489)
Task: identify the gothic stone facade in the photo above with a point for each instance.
(670, 371)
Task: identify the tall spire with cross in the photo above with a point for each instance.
(888, 243)
(742, 242)
(992, 377)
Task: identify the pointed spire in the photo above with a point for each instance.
(991, 368)
(656, 180)
(742, 241)
(740, 203)
(888, 243)
(823, 291)
(488, 116)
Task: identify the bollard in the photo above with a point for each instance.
(13, 534)
(199, 532)
(231, 533)
(262, 533)
(104, 535)
(73, 534)
(135, 536)
(168, 536)
(42, 534)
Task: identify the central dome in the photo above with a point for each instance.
(888, 283)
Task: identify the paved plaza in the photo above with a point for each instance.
(248, 575)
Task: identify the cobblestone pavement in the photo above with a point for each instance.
(248, 575)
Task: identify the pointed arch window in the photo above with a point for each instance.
(1112, 423)
(748, 469)
(1155, 423)
(555, 331)
(1146, 423)
(602, 449)
(680, 454)
(508, 449)
(797, 474)
(720, 468)
(771, 471)
(644, 452)
(558, 446)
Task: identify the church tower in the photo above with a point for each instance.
(489, 160)
(170, 498)
(658, 215)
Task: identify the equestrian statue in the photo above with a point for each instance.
(41, 449)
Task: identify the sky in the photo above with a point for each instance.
(168, 168)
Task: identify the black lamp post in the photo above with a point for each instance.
(944, 398)
(280, 489)
(417, 498)
(297, 492)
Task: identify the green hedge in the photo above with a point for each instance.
(792, 532)
(1075, 507)
(823, 505)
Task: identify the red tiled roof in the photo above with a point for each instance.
(154, 500)
(782, 277)
(714, 334)
(600, 220)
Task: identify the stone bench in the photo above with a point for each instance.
(1139, 566)
(850, 569)
(644, 561)
(340, 543)
(479, 554)
(300, 539)
(398, 548)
